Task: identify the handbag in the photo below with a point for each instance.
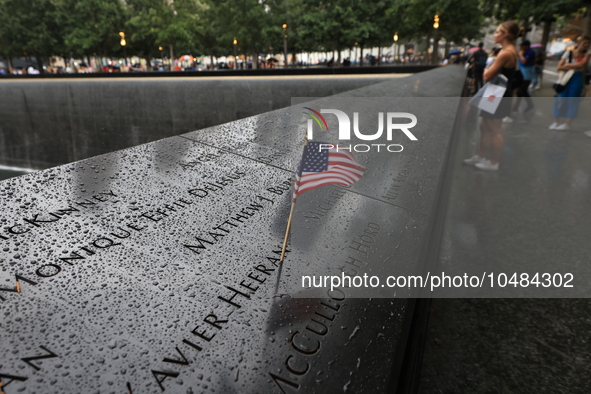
(490, 95)
(564, 77)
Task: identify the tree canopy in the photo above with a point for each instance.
(77, 28)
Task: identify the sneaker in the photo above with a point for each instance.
(474, 160)
(563, 126)
(553, 126)
(487, 166)
(507, 119)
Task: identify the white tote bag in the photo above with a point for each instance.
(489, 97)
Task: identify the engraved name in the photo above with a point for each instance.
(215, 234)
(394, 191)
(126, 230)
(44, 219)
(234, 297)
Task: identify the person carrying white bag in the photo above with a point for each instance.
(491, 94)
(491, 133)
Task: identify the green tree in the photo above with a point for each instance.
(173, 25)
(92, 26)
(374, 25)
(10, 46)
(342, 27)
(458, 20)
(305, 33)
(248, 21)
(327, 25)
(177, 23)
(142, 26)
(536, 11)
(211, 31)
(30, 28)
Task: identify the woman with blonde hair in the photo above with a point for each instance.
(491, 133)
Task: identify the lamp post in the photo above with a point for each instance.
(235, 42)
(285, 43)
(435, 55)
(161, 58)
(397, 46)
(123, 43)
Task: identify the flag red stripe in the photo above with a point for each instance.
(348, 165)
(305, 186)
(312, 187)
(345, 155)
(340, 157)
(353, 176)
(329, 174)
(353, 170)
(348, 177)
(345, 170)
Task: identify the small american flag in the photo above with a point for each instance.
(318, 168)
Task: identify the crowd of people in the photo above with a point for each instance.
(521, 70)
(188, 63)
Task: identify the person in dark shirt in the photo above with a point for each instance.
(479, 63)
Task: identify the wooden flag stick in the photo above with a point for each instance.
(288, 228)
(287, 232)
